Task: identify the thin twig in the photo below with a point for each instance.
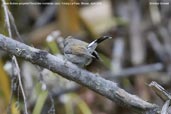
(166, 39)
(156, 45)
(7, 18)
(15, 27)
(20, 83)
(72, 72)
(52, 108)
(6, 11)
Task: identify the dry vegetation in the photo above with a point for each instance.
(36, 79)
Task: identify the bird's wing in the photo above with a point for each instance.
(79, 51)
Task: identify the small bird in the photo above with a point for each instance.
(81, 53)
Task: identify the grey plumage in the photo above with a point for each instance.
(80, 52)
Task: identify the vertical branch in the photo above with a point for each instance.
(138, 51)
(118, 51)
(7, 18)
(136, 40)
(20, 83)
(14, 58)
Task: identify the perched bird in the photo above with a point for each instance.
(81, 53)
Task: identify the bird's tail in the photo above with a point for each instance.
(101, 39)
(93, 44)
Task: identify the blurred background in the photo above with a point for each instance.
(140, 52)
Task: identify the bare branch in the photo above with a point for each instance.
(160, 91)
(143, 69)
(165, 107)
(70, 71)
